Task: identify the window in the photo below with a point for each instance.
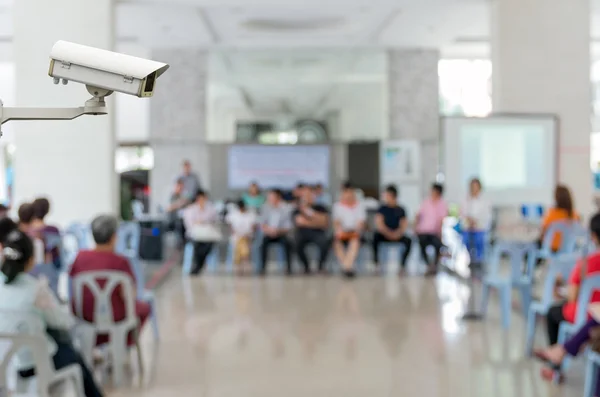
(465, 87)
(129, 158)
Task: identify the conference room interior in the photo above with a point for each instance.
(374, 94)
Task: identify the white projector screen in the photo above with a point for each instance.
(515, 157)
(278, 166)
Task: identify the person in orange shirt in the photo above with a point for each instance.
(562, 211)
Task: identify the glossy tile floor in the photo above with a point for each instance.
(374, 336)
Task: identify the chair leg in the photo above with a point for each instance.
(530, 332)
(505, 297)
(525, 298)
(154, 319)
(591, 377)
(188, 259)
(485, 296)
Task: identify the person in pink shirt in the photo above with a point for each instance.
(429, 225)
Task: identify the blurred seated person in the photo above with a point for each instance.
(390, 226)
(243, 225)
(104, 258)
(253, 198)
(561, 212)
(311, 221)
(349, 222)
(199, 219)
(3, 211)
(321, 197)
(429, 225)
(275, 223)
(49, 234)
(476, 220)
(177, 202)
(20, 293)
(26, 214)
(566, 310)
(7, 225)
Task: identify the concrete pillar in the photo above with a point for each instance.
(541, 64)
(69, 162)
(178, 122)
(414, 105)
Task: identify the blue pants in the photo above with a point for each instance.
(474, 240)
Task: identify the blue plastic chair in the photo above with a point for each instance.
(188, 259)
(559, 266)
(566, 329)
(384, 253)
(567, 243)
(256, 255)
(517, 278)
(48, 271)
(591, 373)
(128, 239)
(81, 232)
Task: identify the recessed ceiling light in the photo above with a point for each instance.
(292, 24)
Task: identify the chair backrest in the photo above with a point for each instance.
(23, 345)
(128, 238)
(139, 271)
(558, 266)
(516, 254)
(82, 235)
(565, 229)
(589, 285)
(103, 310)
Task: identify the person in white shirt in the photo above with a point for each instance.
(476, 218)
(349, 220)
(243, 224)
(28, 305)
(200, 216)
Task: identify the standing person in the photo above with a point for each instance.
(476, 220)
(311, 221)
(199, 218)
(275, 224)
(23, 294)
(391, 224)
(243, 225)
(253, 198)
(191, 181)
(429, 226)
(349, 221)
(177, 202)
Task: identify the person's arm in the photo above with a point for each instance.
(362, 219)
(320, 218)
(126, 267)
(286, 223)
(48, 307)
(337, 225)
(380, 223)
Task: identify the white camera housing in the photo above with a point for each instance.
(104, 71)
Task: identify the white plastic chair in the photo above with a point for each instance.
(103, 315)
(28, 346)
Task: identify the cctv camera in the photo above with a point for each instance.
(104, 71)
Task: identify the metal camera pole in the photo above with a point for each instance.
(474, 267)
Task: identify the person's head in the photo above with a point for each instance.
(274, 196)
(390, 195)
(7, 225)
(308, 196)
(437, 191)
(475, 187)
(348, 193)
(179, 186)
(17, 253)
(3, 210)
(253, 189)
(187, 167)
(595, 228)
(25, 213)
(41, 208)
(200, 197)
(241, 206)
(299, 190)
(318, 189)
(563, 200)
(104, 231)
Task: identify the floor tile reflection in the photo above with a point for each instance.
(375, 336)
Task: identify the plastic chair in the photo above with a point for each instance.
(516, 279)
(384, 253)
(27, 346)
(81, 232)
(128, 239)
(256, 254)
(559, 266)
(567, 242)
(188, 259)
(144, 294)
(49, 272)
(104, 322)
